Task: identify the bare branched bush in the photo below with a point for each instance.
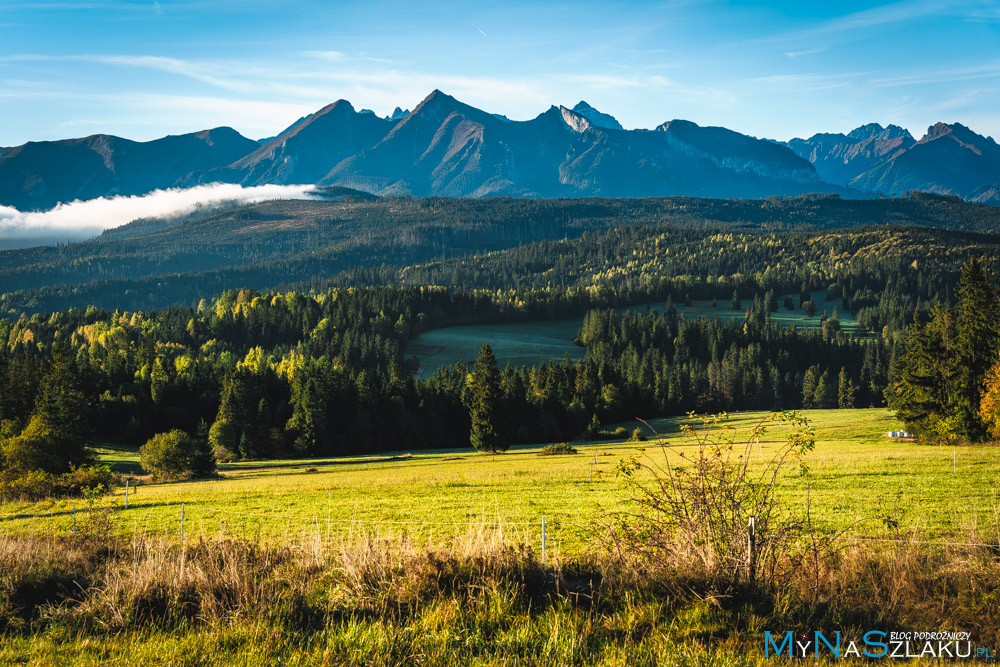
(706, 502)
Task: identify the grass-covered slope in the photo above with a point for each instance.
(858, 481)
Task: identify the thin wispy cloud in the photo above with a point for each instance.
(897, 12)
(805, 82)
(968, 73)
(333, 56)
(754, 68)
(807, 52)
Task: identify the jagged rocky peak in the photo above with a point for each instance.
(960, 132)
(577, 122)
(876, 131)
(398, 114)
(677, 124)
(340, 106)
(866, 131)
(596, 117)
(436, 97)
(437, 104)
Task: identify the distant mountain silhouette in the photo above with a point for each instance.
(306, 151)
(39, 175)
(448, 148)
(596, 117)
(445, 147)
(840, 158)
(949, 159)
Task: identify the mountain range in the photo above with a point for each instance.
(447, 148)
(948, 159)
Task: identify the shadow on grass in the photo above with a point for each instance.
(107, 451)
(81, 510)
(305, 464)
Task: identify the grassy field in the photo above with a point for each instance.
(527, 343)
(858, 480)
(519, 344)
(310, 569)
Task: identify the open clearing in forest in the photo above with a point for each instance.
(860, 481)
(538, 341)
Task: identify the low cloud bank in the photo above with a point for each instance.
(80, 219)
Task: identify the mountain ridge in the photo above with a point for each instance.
(444, 147)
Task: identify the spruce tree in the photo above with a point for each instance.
(771, 301)
(846, 390)
(809, 387)
(62, 412)
(158, 379)
(826, 392)
(486, 404)
(242, 419)
(311, 402)
(202, 458)
(975, 347)
(920, 394)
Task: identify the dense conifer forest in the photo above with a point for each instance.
(311, 245)
(321, 368)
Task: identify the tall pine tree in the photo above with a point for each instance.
(975, 347)
(485, 401)
(57, 435)
(940, 378)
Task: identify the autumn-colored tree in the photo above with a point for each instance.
(989, 406)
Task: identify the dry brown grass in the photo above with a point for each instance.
(486, 584)
(152, 583)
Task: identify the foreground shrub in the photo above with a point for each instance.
(167, 455)
(698, 508)
(38, 485)
(557, 448)
(176, 455)
(41, 447)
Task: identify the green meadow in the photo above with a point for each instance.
(858, 481)
(538, 341)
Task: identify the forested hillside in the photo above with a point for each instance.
(321, 368)
(304, 244)
(279, 374)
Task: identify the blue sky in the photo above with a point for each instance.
(142, 69)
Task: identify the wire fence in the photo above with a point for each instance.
(553, 525)
(539, 530)
(535, 532)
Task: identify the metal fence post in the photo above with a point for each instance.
(74, 521)
(751, 547)
(543, 540)
(182, 523)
